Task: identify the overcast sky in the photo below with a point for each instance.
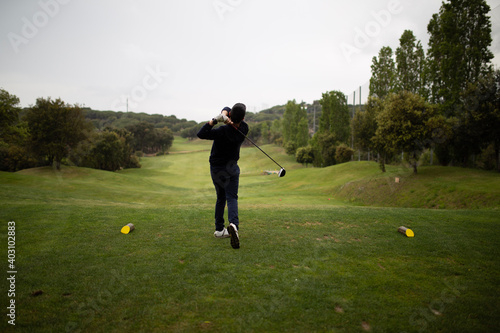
(190, 58)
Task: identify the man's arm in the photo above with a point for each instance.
(207, 132)
(204, 132)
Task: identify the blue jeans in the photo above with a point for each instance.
(226, 180)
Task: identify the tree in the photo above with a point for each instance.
(305, 155)
(289, 124)
(458, 54)
(479, 120)
(290, 148)
(334, 128)
(302, 137)
(459, 57)
(143, 133)
(364, 124)
(190, 132)
(265, 132)
(148, 139)
(275, 132)
(295, 126)
(335, 118)
(110, 149)
(55, 127)
(324, 147)
(14, 135)
(255, 133)
(410, 65)
(383, 78)
(343, 153)
(164, 139)
(405, 125)
(9, 111)
(496, 134)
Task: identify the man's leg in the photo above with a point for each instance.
(232, 195)
(219, 178)
(232, 206)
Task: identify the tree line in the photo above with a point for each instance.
(445, 101)
(439, 106)
(52, 132)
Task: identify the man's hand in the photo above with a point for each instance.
(228, 121)
(221, 118)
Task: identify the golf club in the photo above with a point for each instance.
(282, 171)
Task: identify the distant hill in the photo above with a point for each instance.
(118, 119)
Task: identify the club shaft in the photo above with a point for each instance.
(246, 137)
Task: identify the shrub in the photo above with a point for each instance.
(290, 148)
(305, 155)
(343, 153)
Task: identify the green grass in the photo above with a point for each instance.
(432, 187)
(320, 250)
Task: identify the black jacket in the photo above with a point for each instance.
(227, 142)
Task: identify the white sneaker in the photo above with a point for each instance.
(235, 238)
(222, 234)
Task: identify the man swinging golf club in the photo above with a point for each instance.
(224, 167)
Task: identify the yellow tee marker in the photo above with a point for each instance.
(128, 228)
(405, 231)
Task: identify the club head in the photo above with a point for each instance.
(282, 172)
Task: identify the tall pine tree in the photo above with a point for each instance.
(335, 116)
(460, 37)
(295, 127)
(410, 64)
(383, 78)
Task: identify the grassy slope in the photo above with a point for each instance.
(186, 170)
(306, 263)
(362, 183)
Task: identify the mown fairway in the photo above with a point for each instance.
(320, 251)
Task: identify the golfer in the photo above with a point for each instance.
(224, 166)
